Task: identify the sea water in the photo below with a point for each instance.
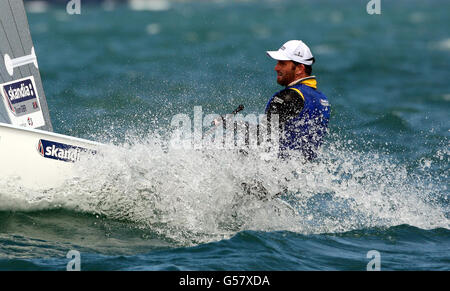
(118, 73)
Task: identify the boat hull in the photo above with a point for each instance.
(38, 159)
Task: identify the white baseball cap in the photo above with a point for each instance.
(293, 50)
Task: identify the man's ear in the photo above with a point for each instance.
(300, 69)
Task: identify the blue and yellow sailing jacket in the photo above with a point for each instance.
(305, 131)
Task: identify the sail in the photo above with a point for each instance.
(23, 99)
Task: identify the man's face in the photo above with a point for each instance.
(285, 72)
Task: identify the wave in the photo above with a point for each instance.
(397, 246)
(197, 196)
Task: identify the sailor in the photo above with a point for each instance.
(303, 110)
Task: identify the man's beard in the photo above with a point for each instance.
(286, 79)
(282, 82)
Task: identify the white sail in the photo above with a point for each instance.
(23, 99)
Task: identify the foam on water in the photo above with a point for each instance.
(193, 196)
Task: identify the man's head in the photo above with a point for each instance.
(294, 61)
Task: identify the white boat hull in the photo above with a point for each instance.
(39, 159)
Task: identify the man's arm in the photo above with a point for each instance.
(287, 104)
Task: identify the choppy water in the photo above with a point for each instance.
(118, 74)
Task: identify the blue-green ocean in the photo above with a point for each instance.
(119, 72)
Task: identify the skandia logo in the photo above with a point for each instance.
(60, 151)
(20, 91)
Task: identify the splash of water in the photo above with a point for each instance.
(190, 196)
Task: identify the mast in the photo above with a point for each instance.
(23, 99)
